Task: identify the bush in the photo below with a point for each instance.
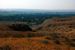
(44, 41)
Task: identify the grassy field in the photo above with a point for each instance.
(55, 35)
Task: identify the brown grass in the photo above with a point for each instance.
(52, 35)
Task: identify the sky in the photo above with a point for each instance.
(38, 4)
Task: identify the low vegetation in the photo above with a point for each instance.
(6, 47)
(44, 41)
(20, 27)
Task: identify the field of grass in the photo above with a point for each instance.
(49, 36)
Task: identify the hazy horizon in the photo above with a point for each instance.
(43, 10)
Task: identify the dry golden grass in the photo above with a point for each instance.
(58, 36)
(32, 44)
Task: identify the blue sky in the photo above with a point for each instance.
(38, 4)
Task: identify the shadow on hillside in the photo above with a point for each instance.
(20, 27)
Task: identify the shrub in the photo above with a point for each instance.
(44, 41)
